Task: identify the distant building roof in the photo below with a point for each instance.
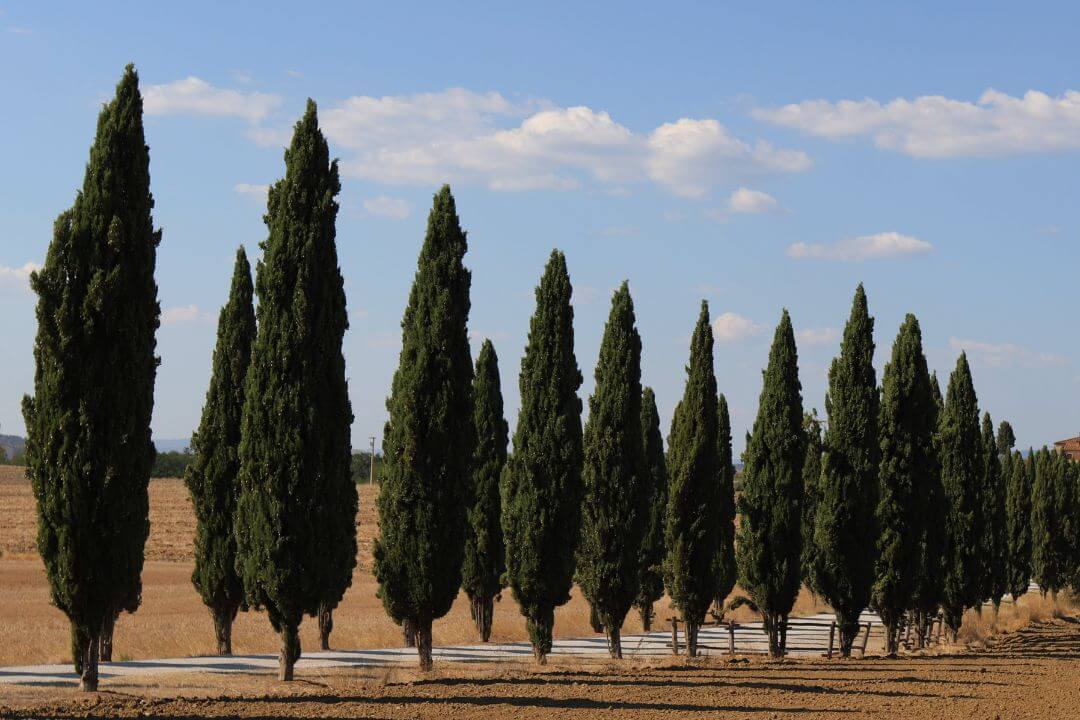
(1070, 447)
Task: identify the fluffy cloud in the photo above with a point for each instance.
(1005, 354)
(817, 336)
(193, 96)
(933, 126)
(17, 277)
(881, 246)
(386, 207)
(745, 201)
(182, 315)
(732, 327)
(485, 138)
(258, 191)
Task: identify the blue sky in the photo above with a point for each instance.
(757, 155)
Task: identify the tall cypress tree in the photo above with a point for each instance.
(844, 523)
(541, 485)
(994, 549)
(1018, 526)
(295, 549)
(770, 530)
(906, 568)
(484, 563)
(932, 504)
(692, 533)
(651, 553)
(89, 451)
(212, 477)
(1006, 440)
(811, 495)
(1050, 521)
(727, 571)
(615, 509)
(429, 439)
(962, 470)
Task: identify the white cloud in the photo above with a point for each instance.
(17, 277)
(745, 201)
(20, 31)
(881, 246)
(732, 327)
(258, 191)
(817, 336)
(243, 76)
(386, 207)
(1005, 354)
(192, 96)
(458, 135)
(933, 126)
(294, 73)
(182, 315)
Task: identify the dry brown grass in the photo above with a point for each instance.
(1032, 607)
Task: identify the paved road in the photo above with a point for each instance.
(749, 638)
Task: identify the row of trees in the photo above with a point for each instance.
(905, 503)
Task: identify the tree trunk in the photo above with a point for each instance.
(920, 629)
(594, 620)
(772, 627)
(691, 638)
(79, 640)
(89, 675)
(326, 625)
(848, 632)
(290, 652)
(483, 609)
(614, 643)
(783, 635)
(408, 631)
(646, 617)
(105, 649)
(423, 644)
(223, 620)
(540, 635)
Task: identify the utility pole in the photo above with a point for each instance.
(371, 478)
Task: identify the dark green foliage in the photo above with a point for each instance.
(541, 484)
(212, 477)
(692, 528)
(1006, 440)
(615, 510)
(727, 571)
(962, 471)
(845, 529)
(908, 572)
(88, 448)
(994, 546)
(1018, 525)
(769, 546)
(484, 563)
(296, 510)
(1052, 513)
(651, 554)
(811, 496)
(429, 439)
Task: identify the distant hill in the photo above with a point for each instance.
(12, 444)
(172, 444)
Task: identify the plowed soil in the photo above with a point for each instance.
(1032, 673)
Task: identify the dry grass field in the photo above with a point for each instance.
(172, 621)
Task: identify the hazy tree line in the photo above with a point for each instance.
(900, 498)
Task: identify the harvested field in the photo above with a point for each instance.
(1033, 673)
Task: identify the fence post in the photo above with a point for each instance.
(731, 637)
(832, 632)
(674, 635)
(866, 639)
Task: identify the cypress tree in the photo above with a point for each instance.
(691, 531)
(541, 485)
(1018, 526)
(907, 566)
(727, 571)
(994, 545)
(429, 439)
(484, 563)
(297, 504)
(811, 496)
(1006, 440)
(844, 524)
(1050, 521)
(615, 509)
(930, 578)
(651, 553)
(770, 530)
(962, 470)
(89, 451)
(212, 477)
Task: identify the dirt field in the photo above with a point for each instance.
(172, 621)
(1031, 674)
